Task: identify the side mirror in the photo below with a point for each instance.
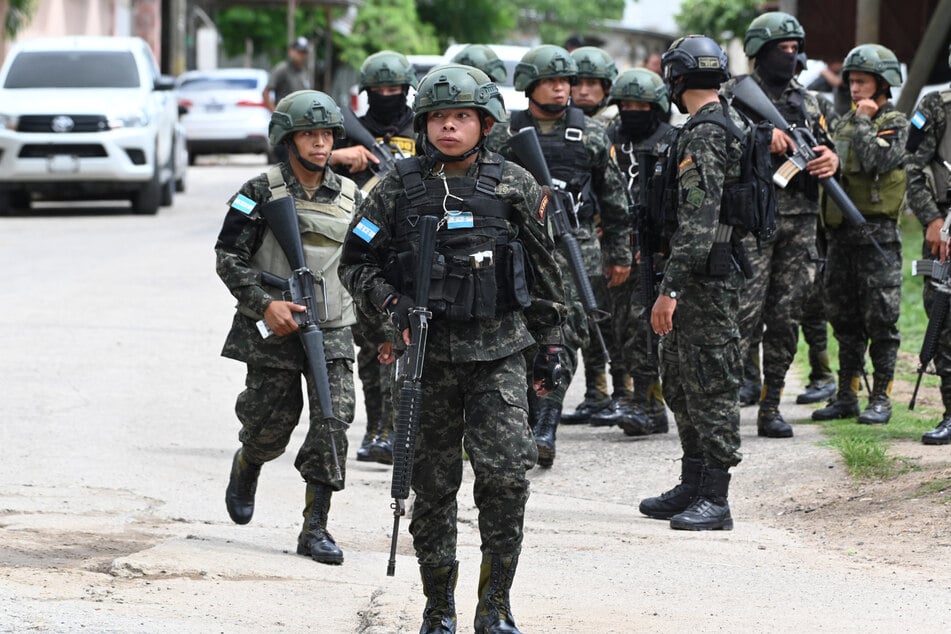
(164, 82)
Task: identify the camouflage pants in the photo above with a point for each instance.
(613, 300)
(863, 297)
(377, 381)
(481, 405)
(772, 300)
(942, 357)
(638, 341)
(701, 369)
(815, 326)
(270, 408)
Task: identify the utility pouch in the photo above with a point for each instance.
(720, 260)
(517, 277)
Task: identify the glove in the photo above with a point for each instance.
(398, 307)
(547, 367)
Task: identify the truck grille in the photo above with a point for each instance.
(80, 123)
(82, 150)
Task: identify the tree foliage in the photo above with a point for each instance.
(478, 21)
(718, 19)
(555, 20)
(387, 24)
(17, 14)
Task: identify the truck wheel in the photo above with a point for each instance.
(148, 199)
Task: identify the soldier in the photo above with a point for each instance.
(386, 77)
(641, 127)
(270, 406)
(596, 73)
(474, 376)
(863, 287)
(578, 153)
(286, 77)
(929, 182)
(783, 268)
(484, 58)
(696, 309)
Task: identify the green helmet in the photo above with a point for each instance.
(543, 62)
(457, 86)
(304, 110)
(387, 68)
(640, 84)
(484, 58)
(774, 26)
(594, 63)
(874, 59)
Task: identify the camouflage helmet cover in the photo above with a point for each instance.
(774, 26)
(484, 58)
(304, 110)
(457, 86)
(640, 84)
(544, 62)
(874, 59)
(594, 63)
(387, 68)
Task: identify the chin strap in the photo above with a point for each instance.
(307, 165)
(550, 108)
(432, 152)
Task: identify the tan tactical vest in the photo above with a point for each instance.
(323, 227)
(874, 194)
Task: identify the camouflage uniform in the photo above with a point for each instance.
(863, 292)
(474, 390)
(783, 268)
(700, 358)
(270, 406)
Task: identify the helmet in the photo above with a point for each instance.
(387, 68)
(594, 63)
(774, 26)
(874, 59)
(640, 84)
(304, 110)
(694, 56)
(543, 62)
(457, 86)
(484, 58)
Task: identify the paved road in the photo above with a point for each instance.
(116, 428)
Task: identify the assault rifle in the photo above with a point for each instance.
(528, 153)
(281, 217)
(748, 93)
(940, 274)
(411, 390)
(356, 131)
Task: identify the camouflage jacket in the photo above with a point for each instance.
(363, 263)
(608, 188)
(708, 157)
(928, 127)
(240, 238)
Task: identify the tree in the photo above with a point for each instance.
(719, 19)
(16, 15)
(555, 20)
(475, 21)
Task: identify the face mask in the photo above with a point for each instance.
(636, 124)
(386, 107)
(776, 66)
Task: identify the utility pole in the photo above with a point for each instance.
(866, 21)
(928, 51)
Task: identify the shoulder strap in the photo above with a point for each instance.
(574, 124)
(519, 120)
(411, 174)
(490, 175)
(275, 181)
(347, 200)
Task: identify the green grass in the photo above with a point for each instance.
(864, 448)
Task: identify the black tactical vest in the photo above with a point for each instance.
(480, 271)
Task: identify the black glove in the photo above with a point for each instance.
(547, 367)
(398, 307)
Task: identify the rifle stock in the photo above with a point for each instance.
(358, 132)
(281, 217)
(752, 97)
(528, 152)
(411, 391)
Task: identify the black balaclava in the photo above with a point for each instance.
(775, 66)
(639, 124)
(386, 107)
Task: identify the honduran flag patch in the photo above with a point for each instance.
(918, 120)
(365, 230)
(243, 204)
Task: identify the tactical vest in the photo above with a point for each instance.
(323, 227)
(567, 159)
(480, 271)
(401, 145)
(626, 151)
(936, 173)
(873, 194)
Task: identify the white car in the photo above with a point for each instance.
(510, 56)
(223, 111)
(88, 118)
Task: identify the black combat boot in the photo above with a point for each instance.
(846, 402)
(710, 511)
(769, 421)
(439, 586)
(363, 453)
(821, 380)
(657, 409)
(669, 503)
(940, 435)
(239, 496)
(493, 612)
(595, 397)
(373, 402)
(879, 410)
(314, 540)
(546, 424)
(631, 414)
(751, 388)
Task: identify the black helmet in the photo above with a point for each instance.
(698, 60)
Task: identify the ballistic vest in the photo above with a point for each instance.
(936, 173)
(480, 271)
(323, 227)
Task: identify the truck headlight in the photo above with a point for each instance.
(138, 119)
(9, 121)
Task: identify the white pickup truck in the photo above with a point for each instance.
(88, 118)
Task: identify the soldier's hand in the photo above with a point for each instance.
(781, 144)
(866, 107)
(662, 314)
(279, 317)
(826, 163)
(356, 158)
(616, 275)
(385, 354)
(933, 238)
(398, 309)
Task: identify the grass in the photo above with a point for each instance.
(865, 448)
